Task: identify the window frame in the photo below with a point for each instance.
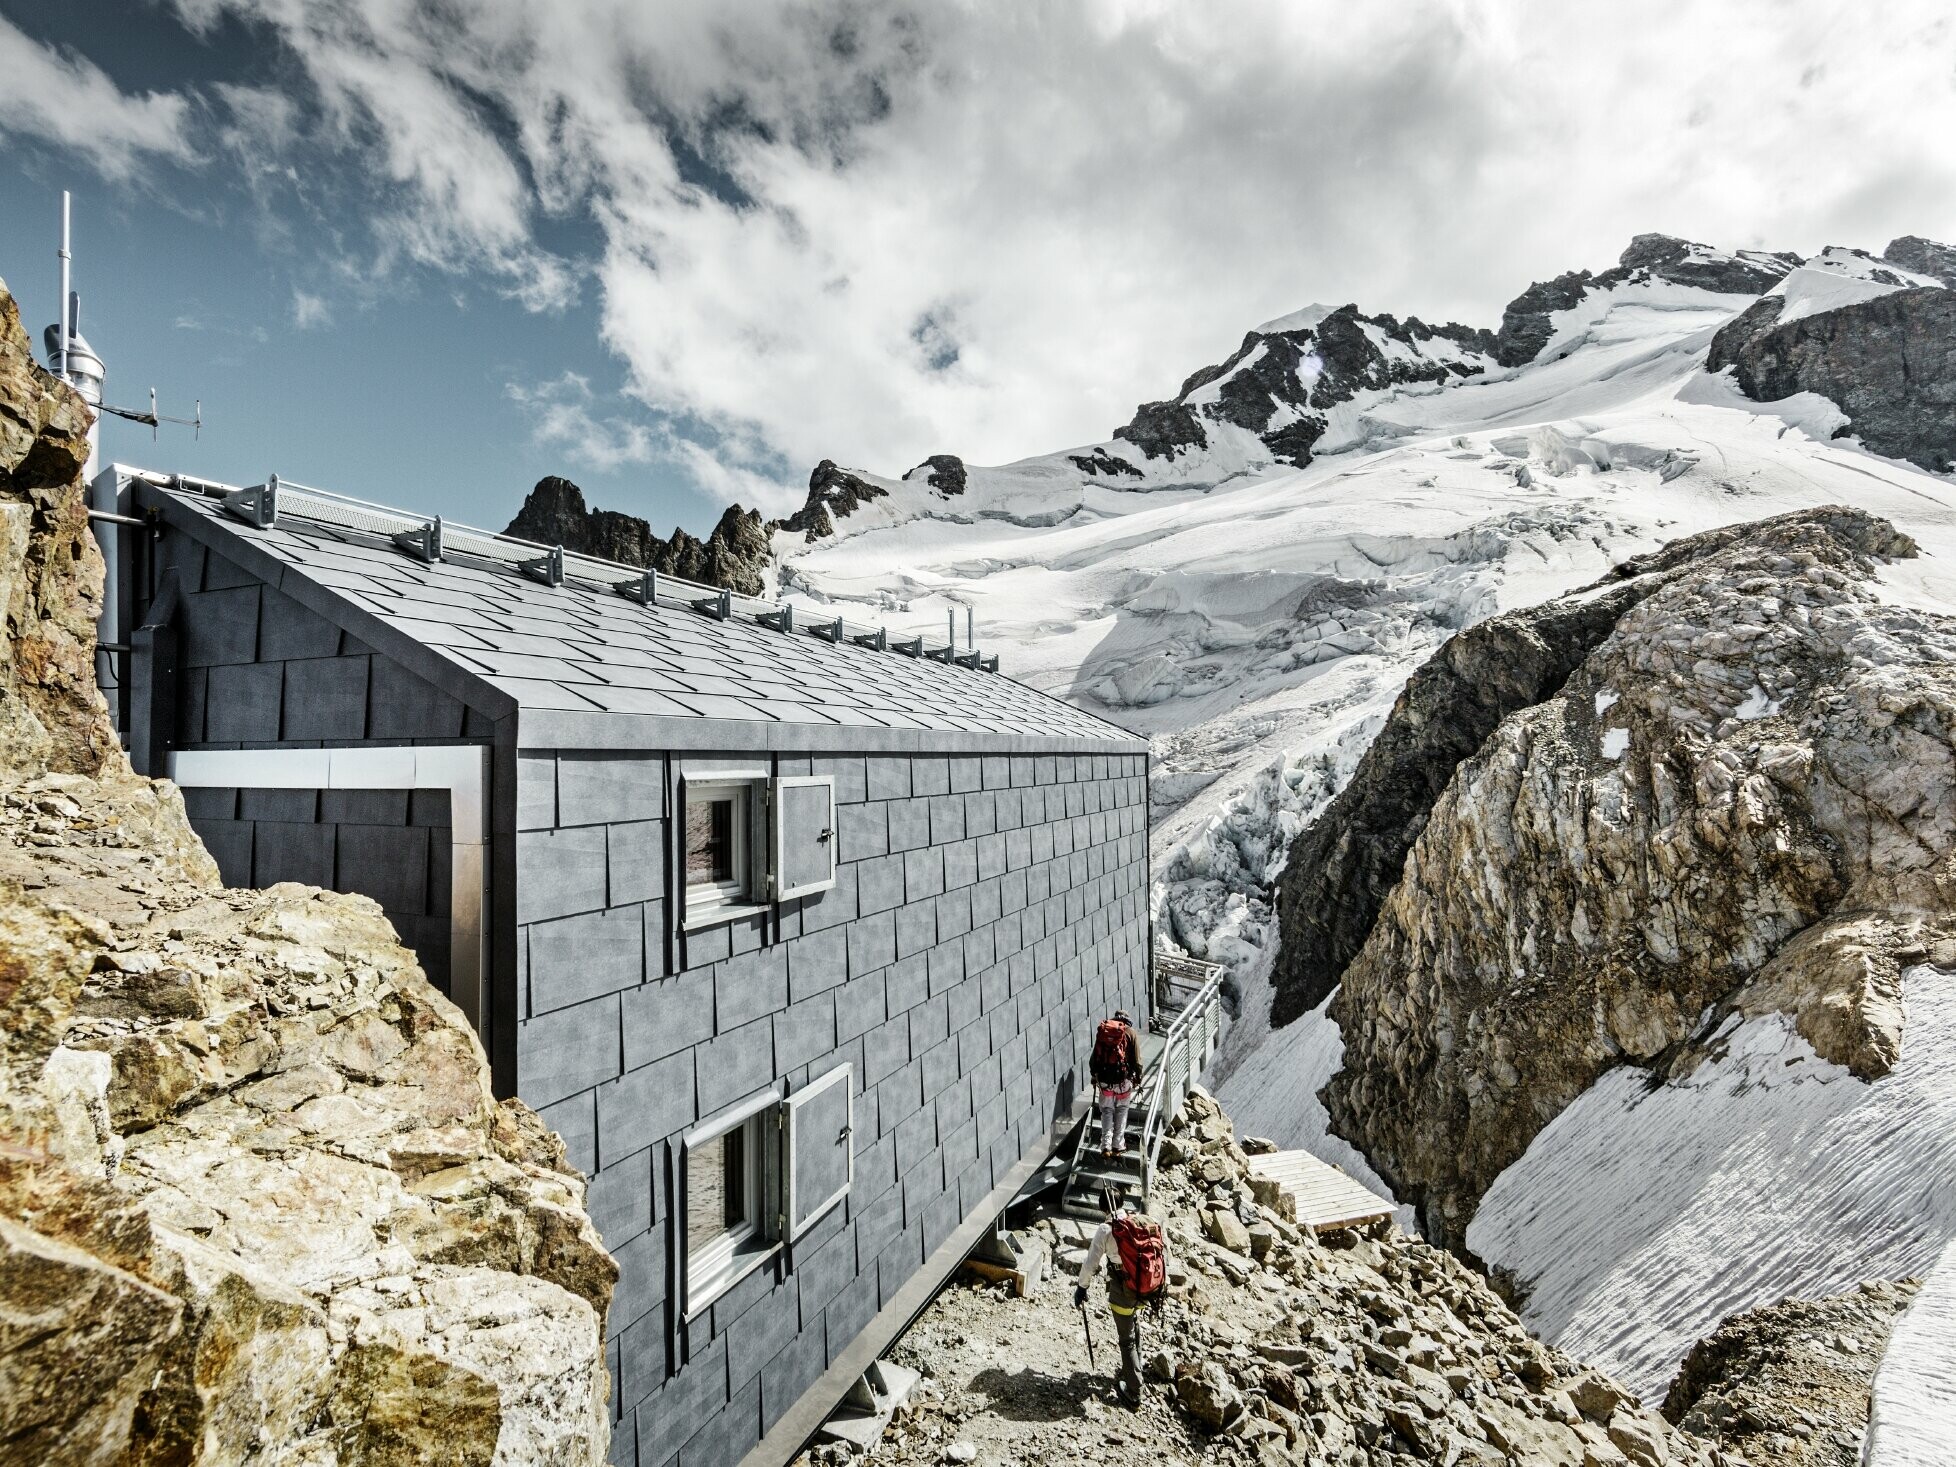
(731, 1257)
(707, 905)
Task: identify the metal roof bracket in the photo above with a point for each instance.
(644, 590)
(912, 648)
(988, 664)
(828, 631)
(423, 542)
(967, 659)
(946, 654)
(549, 568)
(718, 607)
(257, 506)
(782, 619)
(878, 640)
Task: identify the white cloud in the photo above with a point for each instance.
(871, 233)
(308, 310)
(563, 417)
(69, 101)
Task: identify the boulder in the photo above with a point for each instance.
(1207, 1393)
(1226, 1228)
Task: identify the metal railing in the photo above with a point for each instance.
(282, 497)
(1188, 992)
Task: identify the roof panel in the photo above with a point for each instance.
(582, 647)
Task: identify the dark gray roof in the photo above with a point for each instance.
(578, 657)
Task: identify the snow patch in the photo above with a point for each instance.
(1758, 704)
(1606, 699)
(1912, 1420)
(1616, 743)
(1641, 1217)
(1304, 320)
(1839, 277)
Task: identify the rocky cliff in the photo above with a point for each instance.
(736, 555)
(1742, 796)
(257, 1202)
(1888, 363)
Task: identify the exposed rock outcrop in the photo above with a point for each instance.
(50, 715)
(1281, 384)
(1102, 463)
(1788, 1385)
(1344, 863)
(257, 1202)
(736, 555)
(1888, 363)
(1274, 1347)
(1526, 326)
(944, 472)
(833, 494)
(1759, 750)
(1924, 257)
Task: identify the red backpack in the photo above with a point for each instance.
(1109, 1063)
(1144, 1257)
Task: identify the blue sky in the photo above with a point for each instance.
(678, 251)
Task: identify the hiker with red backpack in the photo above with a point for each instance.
(1137, 1252)
(1115, 1070)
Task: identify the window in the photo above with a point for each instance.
(724, 1185)
(719, 847)
(750, 840)
(758, 1176)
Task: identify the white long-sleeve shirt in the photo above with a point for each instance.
(1101, 1246)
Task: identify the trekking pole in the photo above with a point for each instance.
(1087, 1325)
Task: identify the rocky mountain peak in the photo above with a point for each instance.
(833, 493)
(1924, 257)
(735, 555)
(1526, 326)
(1281, 384)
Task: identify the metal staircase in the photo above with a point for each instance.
(1184, 1020)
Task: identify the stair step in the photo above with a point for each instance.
(1099, 1175)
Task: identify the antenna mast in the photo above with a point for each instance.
(61, 369)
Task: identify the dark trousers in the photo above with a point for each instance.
(1126, 1309)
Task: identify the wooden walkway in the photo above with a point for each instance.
(1326, 1198)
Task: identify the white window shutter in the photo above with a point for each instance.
(804, 835)
(819, 1159)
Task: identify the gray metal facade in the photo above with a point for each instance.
(987, 910)
(990, 903)
(391, 845)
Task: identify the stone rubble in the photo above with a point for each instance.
(1357, 1349)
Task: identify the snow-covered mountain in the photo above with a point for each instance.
(1249, 571)
(1256, 618)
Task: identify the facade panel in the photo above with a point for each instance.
(975, 932)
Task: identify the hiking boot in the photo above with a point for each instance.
(1132, 1402)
